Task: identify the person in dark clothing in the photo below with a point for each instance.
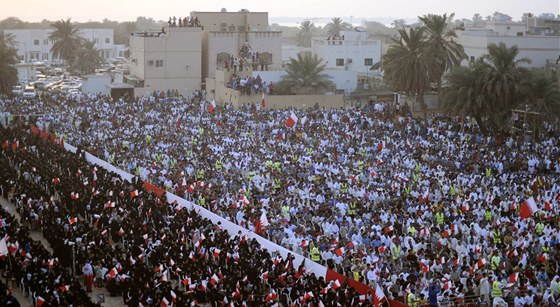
(433, 290)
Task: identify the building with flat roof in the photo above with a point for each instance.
(537, 38)
(166, 60)
(35, 45)
(352, 54)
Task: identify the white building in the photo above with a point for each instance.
(353, 51)
(538, 47)
(34, 44)
(169, 60)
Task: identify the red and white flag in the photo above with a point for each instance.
(214, 280)
(216, 253)
(389, 229)
(379, 297)
(113, 273)
(513, 278)
(134, 193)
(212, 106)
(263, 222)
(528, 208)
(264, 276)
(72, 220)
(40, 301)
(291, 121)
(263, 103)
(336, 284)
(339, 251)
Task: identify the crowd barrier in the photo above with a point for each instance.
(232, 228)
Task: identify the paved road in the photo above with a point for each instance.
(37, 235)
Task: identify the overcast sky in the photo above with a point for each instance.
(128, 10)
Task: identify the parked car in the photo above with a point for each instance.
(29, 92)
(70, 85)
(40, 85)
(17, 90)
(53, 85)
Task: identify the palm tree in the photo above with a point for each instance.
(501, 77)
(408, 65)
(336, 26)
(305, 33)
(542, 95)
(87, 58)
(442, 39)
(66, 40)
(305, 72)
(463, 95)
(8, 58)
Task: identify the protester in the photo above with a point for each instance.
(420, 202)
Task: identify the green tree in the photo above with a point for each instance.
(398, 24)
(8, 58)
(501, 77)
(464, 95)
(443, 44)
(409, 66)
(66, 40)
(305, 72)
(122, 33)
(305, 33)
(87, 58)
(12, 23)
(541, 94)
(336, 26)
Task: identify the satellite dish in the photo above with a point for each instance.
(223, 10)
(360, 29)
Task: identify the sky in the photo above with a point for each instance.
(128, 10)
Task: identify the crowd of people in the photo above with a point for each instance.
(431, 210)
(136, 244)
(250, 85)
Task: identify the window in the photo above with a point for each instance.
(231, 28)
(45, 41)
(368, 62)
(339, 62)
(159, 63)
(107, 40)
(36, 42)
(95, 40)
(45, 56)
(241, 29)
